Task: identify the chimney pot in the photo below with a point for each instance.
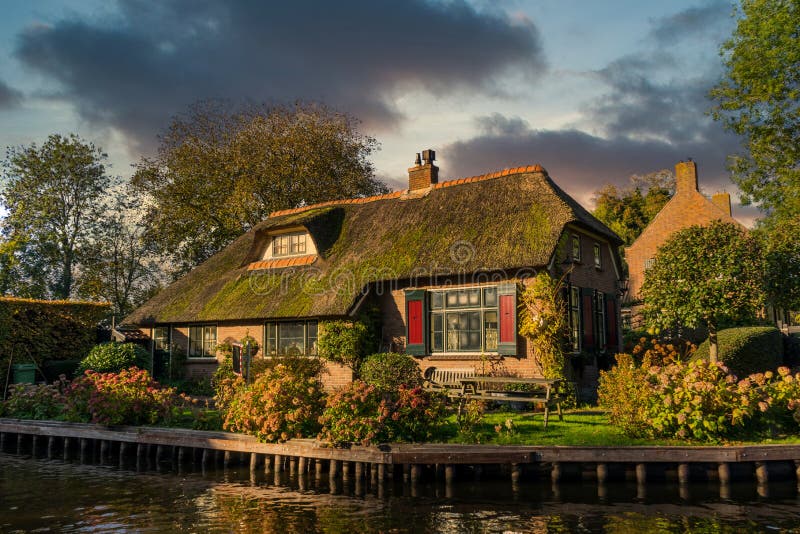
(417, 161)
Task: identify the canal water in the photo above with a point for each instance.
(54, 496)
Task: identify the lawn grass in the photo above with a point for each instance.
(581, 427)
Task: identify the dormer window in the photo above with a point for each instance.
(289, 245)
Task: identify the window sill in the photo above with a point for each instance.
(472, 356)
(201, 359)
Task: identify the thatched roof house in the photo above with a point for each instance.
(330, 260)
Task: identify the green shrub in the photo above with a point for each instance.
(113, 357)
(343, 342)
(747, 350)
(278, 406)
(388, 371)
(355, 414)
(28, 401)
(623, 391)
(130, 397)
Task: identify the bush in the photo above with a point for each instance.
(113, 357)
(388, 371)
(355, 414)
(343, 342)
(278, 406)
(747, 350)
(301, 365)
(28, 401)
(130, 397)
(416, 414)
(623, 392)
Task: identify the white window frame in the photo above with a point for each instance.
(295, 244)
(575, 318)
(272, 332)
(598, 258)
(576, 250)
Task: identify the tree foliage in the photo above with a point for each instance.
(779, 241)
(118, 264)
(219, 171)
(759, 99)
(704, 275)
(628, 211)
(54, 197)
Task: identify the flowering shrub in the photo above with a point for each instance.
(663, 352)
(130, 397)
(27, 401)
(623, 392)
(360, 413)
(278, 406)
(355, 414)
(416, 414)
(387, 371)
(698, 400)
(113, 357)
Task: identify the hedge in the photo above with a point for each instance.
(41, 330)
(747, 350)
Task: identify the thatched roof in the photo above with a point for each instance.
(503, 221)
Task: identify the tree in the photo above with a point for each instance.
(704, 275)
(54, 198)
(118, 266)
(779, 241)
(628, 211)
(759, 99)
(220, 171)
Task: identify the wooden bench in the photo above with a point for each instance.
(463, 385)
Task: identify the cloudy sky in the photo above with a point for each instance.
(593, 91)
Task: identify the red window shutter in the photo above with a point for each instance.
(587, 313)
(507, 316)
(416, 322)
(611, 321)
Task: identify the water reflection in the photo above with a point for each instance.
(69, 497)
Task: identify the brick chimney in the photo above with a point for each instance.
(685, 176)
(424, 173)
(723, 202)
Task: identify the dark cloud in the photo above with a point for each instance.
(692, 22)
(581, 163)
(353, 54)
(9, 97)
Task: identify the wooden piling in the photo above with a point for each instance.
(278, 463)
(103, 451)
(84, 449)
(641, 474)
(602, 473)
(292, 466)
(160, 451)
(359, 471)
(227, 459)
(66, 445)
(318, 467)
(34, 444)
(724, 473)
(253, 462)
(345, 470)
(2, 441)
(516, 473)
(555, 472)
(333, 469)
(267, 464)
(19, 443)
(416, 473)
(683, 474)
(762, 473)
(302, 465)
(51, 447)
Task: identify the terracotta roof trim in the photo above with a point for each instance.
(280, 263)
(396, 194)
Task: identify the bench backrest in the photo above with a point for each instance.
(450, 376)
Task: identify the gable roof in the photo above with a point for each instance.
(500, 221)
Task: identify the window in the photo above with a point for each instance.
(289, 244)
(292, 338)
(464, 320)
(161, 338)
(575, 318)
(598, 263)
(202, 341)
(599, 319)
(649, 262)
(576, 247)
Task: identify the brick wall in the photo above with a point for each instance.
(687, 208)
(391, 302)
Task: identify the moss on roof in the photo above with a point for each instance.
(509, 222)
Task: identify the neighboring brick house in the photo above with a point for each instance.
(439, 263)
(687, 208)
